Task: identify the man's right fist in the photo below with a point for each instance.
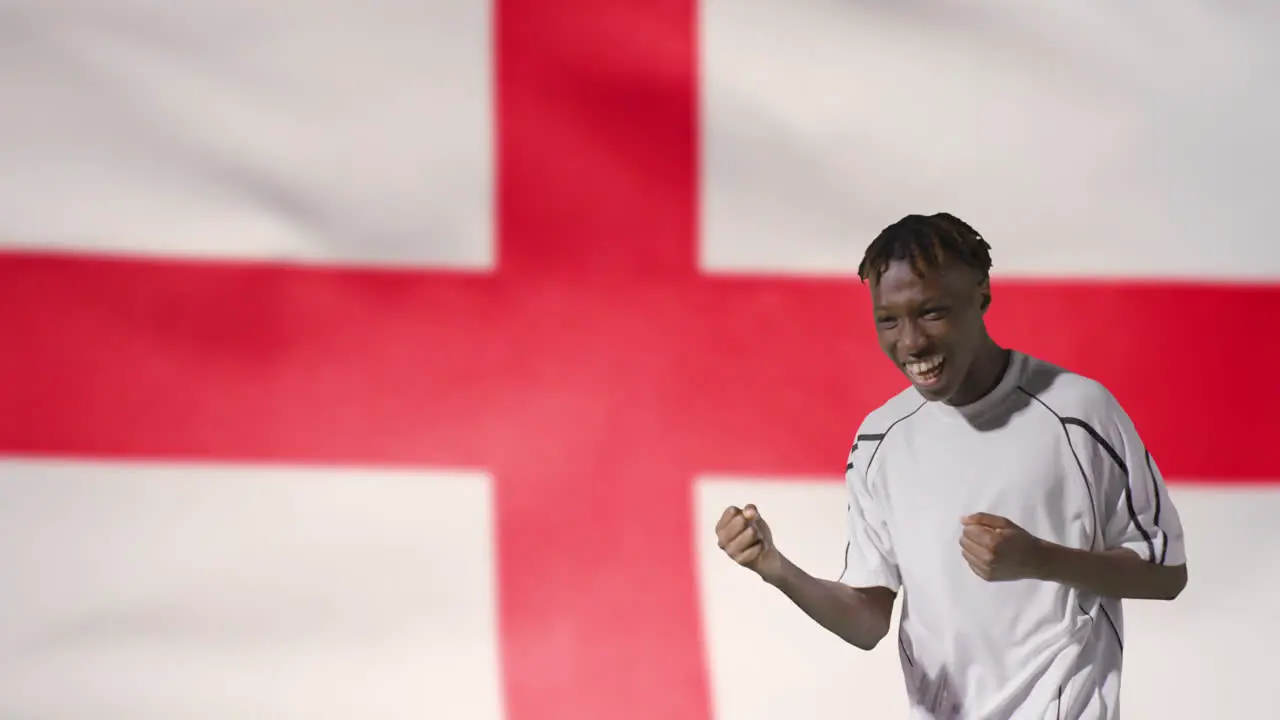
(745, 537)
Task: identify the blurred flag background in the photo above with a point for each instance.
(394, 359)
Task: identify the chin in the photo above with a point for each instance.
(935, 394)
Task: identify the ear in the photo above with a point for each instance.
(984, 288)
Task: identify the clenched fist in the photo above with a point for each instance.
(997, 549)
(745, 537)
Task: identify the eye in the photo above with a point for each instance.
(934, 313)
(886, 321)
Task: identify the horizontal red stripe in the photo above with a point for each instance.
(116, 358)
(595, 401)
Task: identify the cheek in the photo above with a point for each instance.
(886, 340)
(942, 334)
(960, 332)
(961, 345)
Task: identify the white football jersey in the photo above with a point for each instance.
(1052, 451)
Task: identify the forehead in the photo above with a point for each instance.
(903, 284)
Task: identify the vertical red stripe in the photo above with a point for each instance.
(596, 140)
(597, 181)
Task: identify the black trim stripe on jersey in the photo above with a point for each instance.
(869, 437)
(1101, 441)
(903, 647)
(1128, 485)
(1112, 623)
(1093, 504)
(1114, 630)
(879, 438)
(1155, 490)
(1128, 480)
(1155, 519)
(875, 438)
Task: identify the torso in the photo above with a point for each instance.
(973, 648)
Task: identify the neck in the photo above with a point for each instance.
(984, 375)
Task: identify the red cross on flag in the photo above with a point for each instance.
(394, 359)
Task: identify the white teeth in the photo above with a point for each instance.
(925, 372)
(924, 367)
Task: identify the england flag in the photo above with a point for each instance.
(395, 358)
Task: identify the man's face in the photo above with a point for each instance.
(931, 325)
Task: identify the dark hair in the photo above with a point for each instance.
(923, 241)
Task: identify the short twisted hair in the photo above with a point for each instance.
(923, 241)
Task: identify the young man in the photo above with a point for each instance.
(1012, 502)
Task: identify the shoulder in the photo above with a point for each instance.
(1069, 394)
(880, 423)
(878, 426)
(895, 410)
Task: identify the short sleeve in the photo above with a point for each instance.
(869, 559)
(1138, 512)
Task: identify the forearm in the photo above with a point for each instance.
(850, 613)
(1112, 573)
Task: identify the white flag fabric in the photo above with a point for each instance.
(396, 359)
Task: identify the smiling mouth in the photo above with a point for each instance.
(926, 372)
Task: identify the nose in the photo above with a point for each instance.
(911, 338)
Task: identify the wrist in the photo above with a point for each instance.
(775, 572)
(1050, 558)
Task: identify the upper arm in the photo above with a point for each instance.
(869, 561)
(1137, 512)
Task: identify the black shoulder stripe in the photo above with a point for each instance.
(1119, 461)
(1155, 515)
(1101, 441)
(876, 438)
(881, 436)
(1083, 475)
(1155, 490)
(852, 450)
(1128, 483)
